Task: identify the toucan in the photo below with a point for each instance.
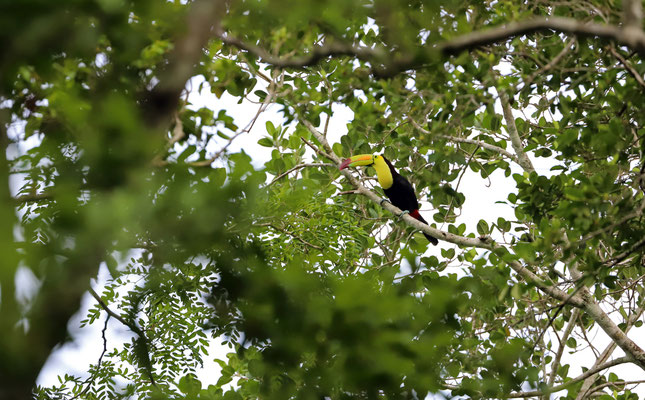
(396, 187)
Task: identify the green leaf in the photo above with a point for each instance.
(266, 142)
(482, 228)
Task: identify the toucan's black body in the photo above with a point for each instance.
(402, 195)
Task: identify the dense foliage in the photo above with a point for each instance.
(315, 288)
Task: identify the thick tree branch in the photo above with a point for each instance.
(202, 20)
(633, 14)
(635, 39)
(630, 36)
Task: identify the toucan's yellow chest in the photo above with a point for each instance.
(383, 173)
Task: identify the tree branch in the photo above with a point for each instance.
(567, 331)
(318, 53)
(293, 235)
(632, 71)
(616, 383)
(592, 371)
(92, 377)
(586, 385)
(159, 103)
(456, 139)
(299, 166)
(630, 36)
(634, 39)
(551, 64)
(516, 141)
(633, 14)
(27, 198)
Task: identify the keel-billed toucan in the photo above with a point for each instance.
(396, 188)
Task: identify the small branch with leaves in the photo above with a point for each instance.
(142, 339)
(457, 139)
(293, 235)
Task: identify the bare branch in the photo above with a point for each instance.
(516, 141)
(567, 331)
(299, 166)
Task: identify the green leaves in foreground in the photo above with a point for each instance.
(352, 336)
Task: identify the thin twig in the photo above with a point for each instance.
(98, 364)
(247, 129)
(316, 149)
(551, 64)
(299, 166)
(293, 235)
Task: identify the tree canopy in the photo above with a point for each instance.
(315, 286)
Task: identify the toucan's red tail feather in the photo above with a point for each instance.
(415, 214)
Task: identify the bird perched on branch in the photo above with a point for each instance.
(396, 187)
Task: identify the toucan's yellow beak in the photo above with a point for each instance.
(361, 159)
